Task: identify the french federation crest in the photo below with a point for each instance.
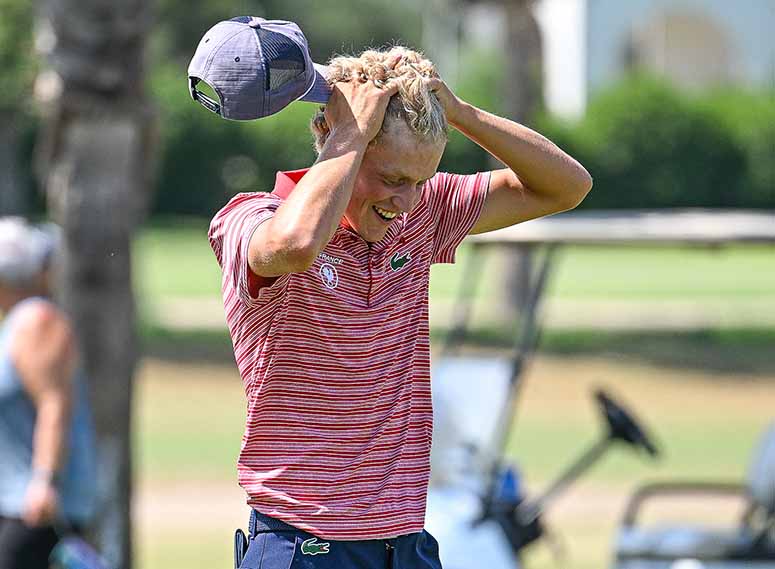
(329, 276)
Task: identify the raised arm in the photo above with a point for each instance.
(540, 178)
(305, 222)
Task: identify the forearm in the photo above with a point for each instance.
(314, 209)
(540, 164)
(51, 428)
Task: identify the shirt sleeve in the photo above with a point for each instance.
(455, 202)
(230, 233)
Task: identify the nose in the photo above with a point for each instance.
(406, 197)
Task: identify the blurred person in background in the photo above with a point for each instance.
(47, 469)
(325, 285)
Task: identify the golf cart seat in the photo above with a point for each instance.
(751, 544)
(468, 393)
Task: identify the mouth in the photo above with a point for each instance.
(384, 214)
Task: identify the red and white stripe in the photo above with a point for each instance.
(339, 419)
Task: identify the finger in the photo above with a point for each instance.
(390, 87)
(394, 60)
(433, 83)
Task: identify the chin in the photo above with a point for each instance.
(369, 235)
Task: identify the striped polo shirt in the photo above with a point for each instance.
(335, 363)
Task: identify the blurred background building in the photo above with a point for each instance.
(696, 44)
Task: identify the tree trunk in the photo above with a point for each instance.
(522, 98)
(12, 198)
(94, 156)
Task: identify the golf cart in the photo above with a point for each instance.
(749, 544)
(476, 508)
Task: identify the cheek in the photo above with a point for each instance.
(365, 194)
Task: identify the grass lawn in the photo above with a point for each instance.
(177, 261)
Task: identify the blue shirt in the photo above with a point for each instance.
(77, 479)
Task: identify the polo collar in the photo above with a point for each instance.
(285, 182)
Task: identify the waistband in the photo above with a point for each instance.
(260, 522)
(411, 551)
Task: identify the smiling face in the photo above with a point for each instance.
(390, 180)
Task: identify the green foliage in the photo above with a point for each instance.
(647, 145)
(17, 58)
(750, 120)
(478, 84)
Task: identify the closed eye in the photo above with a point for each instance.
(401, 182)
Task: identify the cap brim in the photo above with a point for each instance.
(320, 90)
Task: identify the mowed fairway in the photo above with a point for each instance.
(189, 424)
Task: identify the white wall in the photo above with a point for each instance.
(749, 24)
(585, 41)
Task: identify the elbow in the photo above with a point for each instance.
(297, 252)
(277, 250)
(299, 259)
(579, 189)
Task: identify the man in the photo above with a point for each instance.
(47, 469)
(325, 285)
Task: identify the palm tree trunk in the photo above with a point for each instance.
(95, 152)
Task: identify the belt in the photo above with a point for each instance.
(262, 523)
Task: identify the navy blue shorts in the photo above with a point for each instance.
(277, 545)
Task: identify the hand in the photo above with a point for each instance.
(357, 107)
(41, 503)
(449, 101)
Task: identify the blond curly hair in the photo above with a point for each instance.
(414, 103)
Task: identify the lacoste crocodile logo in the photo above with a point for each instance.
(312, 547)
(397, 261)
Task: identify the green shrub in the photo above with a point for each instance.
(647, 145)
(479, 84)
(750, 119)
